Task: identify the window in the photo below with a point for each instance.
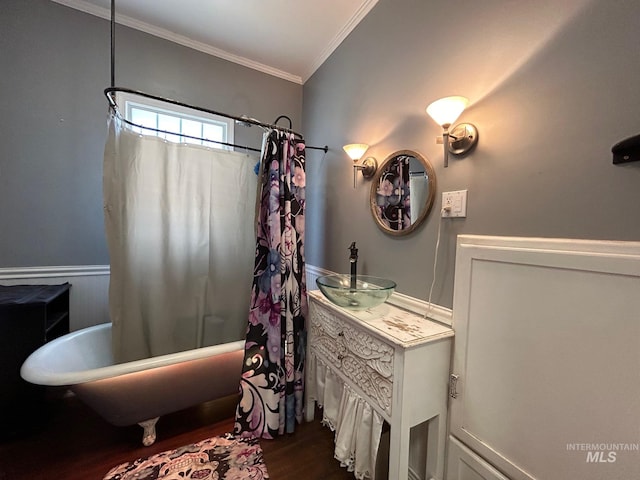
(184, 124)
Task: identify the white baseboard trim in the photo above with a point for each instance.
(314, 272)
(412, 304)
(421, 307)
(90, 289)
(89, 295)
(15, 273)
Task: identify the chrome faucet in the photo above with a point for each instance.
(353, 260)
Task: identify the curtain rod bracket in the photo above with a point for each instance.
(286, 118)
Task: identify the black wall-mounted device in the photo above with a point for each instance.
(628, 150)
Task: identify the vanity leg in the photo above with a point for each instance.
(309, 410)
(309, 387)
(436, 446)
(399, 451)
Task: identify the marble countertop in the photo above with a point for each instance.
(400, 327)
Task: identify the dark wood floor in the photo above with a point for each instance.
(76, 444)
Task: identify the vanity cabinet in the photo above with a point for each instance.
(398, 363)
(547, 359)
(30, 316)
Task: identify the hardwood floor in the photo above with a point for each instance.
(74, 443)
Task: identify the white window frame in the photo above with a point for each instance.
(127, 101)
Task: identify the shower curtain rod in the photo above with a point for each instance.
(109, 91)
(114, 106)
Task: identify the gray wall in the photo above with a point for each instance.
(553, 85)
(559, 74)
(55, 65)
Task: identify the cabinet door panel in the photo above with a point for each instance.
(377, 387)
(548, 356)
(374, 353)
(324, 335)
(463, 464)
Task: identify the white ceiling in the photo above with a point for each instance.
(289, 39)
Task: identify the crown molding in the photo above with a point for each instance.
(364, 9)
(105, 13)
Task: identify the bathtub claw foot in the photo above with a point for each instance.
(149, 434)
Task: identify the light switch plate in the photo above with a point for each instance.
(454, 204)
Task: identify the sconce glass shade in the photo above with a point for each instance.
(446, 110)
(356, 150)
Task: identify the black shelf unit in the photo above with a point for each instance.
(30, 316)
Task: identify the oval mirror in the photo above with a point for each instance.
(402, 192)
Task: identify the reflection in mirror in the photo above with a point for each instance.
(402, 192)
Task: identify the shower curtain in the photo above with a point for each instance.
(273, 371)
(180, 221)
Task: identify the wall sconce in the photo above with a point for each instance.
(368, 166)
(464, 136)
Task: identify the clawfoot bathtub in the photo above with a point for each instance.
(140, 391)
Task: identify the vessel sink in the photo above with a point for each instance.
(368, 292)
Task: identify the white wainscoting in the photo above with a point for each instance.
(314, 272)
(89, 296)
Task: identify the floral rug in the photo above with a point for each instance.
(217, 458)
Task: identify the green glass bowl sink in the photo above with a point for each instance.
(368, 292)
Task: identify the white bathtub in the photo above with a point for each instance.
(139, 391)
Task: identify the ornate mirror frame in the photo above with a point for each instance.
(390, 198)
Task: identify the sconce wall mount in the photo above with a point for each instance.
(368, 167)
(462, 138)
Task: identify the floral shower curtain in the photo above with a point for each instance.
(272, 381)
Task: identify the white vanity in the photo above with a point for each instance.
(395, 363)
